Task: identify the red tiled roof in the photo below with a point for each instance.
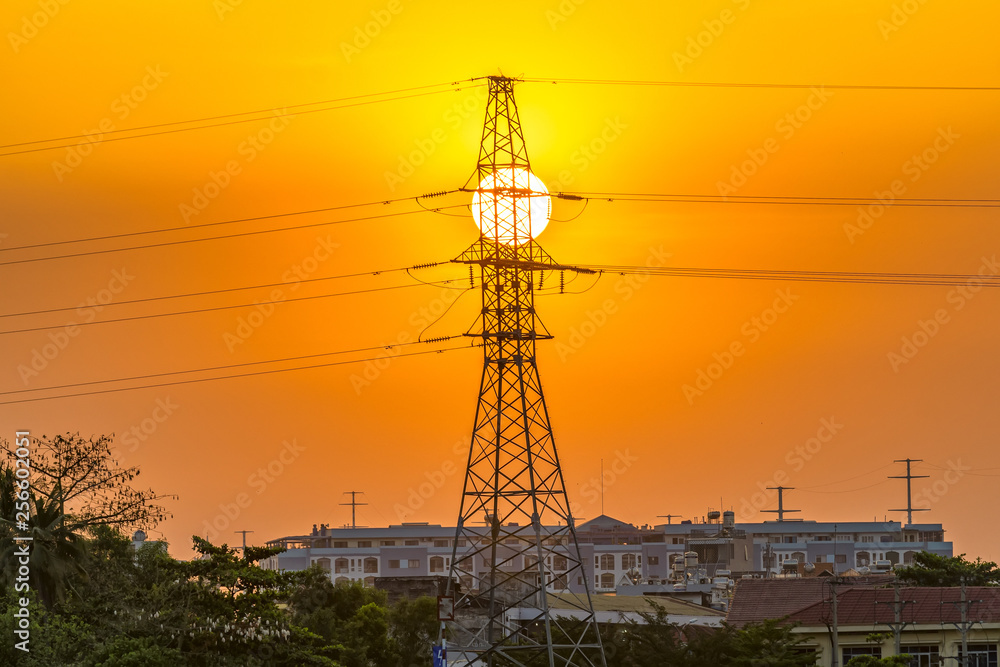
(874, 606)
(755, 600)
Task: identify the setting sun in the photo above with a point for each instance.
(511, 206)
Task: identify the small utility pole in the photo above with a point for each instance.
(909, 495)
(964, 625)
(354, 505)
(244, 533)
(897, 614)
(781, 511)
(835, 634)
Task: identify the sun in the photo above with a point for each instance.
(511, 206)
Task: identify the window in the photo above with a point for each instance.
(653, 560)
(885, 538)
(841, 558)
(414, 563)
(340, 545)
(789, 539)
(559, 563)
(678, 540)
(855, 651)
(799, 557)
(437, 564)
(608, 563)
(863, 558)
(411, 543)
(369, 581)
(394, 565)
(982, 655)
(922, 656)
(867, 538)
(341, 566)
(324, 563)
(628, 561)
(607, 580)
(440, 543)
(387, 543)
(461, 542)
(371, 565)
(364, 544)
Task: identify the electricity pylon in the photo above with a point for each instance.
(515, 541)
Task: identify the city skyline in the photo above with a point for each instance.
(688, 386)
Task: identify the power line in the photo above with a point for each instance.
(230, 115)
(801, 276)
(715, 84)
(219, 124)
(219, 291)
(907, 202)
(215, 308)
(439, 339)
(238, 375)
(226, 222)
(223, 236)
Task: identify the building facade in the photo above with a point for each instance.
(624, 558)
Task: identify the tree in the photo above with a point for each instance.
(771, 643)
(87, 485)
(930, 569)
(56, 553)
(655, 641)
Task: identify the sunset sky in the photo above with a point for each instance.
(615, 376)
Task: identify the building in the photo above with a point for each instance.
(690, 560)
(930, 621)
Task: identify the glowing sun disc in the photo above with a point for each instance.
(511, 206)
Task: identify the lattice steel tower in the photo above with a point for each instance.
(515, 541)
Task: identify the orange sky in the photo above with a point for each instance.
(614, 391)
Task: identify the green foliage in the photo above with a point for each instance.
(362, 629)
(56, 553)
(930, 569)
(656, 642)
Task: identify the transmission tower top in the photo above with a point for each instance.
(910, 509)
(781, 511)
